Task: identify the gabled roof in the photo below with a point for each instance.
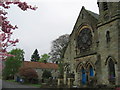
(40, 65)
(80, 20)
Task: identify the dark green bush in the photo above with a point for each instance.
(46, 74)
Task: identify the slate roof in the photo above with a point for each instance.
(40, 65)
(93, 14)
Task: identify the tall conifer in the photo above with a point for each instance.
(35, 57)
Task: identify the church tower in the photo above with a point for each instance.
(109, 43)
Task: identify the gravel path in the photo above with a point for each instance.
(7, 84)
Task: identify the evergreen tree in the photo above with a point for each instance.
(35, 57)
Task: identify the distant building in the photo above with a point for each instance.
(40, 67)
(93, 51)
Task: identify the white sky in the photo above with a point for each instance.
(53, 18)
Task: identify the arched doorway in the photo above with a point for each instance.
(91, 78)
(111, 71)
(91, 71)
(84, 78)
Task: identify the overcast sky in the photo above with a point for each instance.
(53, 18)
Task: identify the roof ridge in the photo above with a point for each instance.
(40, 65)
(39, 62)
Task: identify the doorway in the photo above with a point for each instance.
(84, 78)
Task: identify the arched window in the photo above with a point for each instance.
(111, 71)
(91, 71)
(84, 40)
(105, 6)
(107, 36)
(67, 69)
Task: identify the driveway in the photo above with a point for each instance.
(7, 84)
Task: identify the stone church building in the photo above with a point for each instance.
(93, 51)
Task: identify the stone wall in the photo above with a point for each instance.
(108, 49)
(39, 71)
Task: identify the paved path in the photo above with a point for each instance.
(7, 84)
(0, 84)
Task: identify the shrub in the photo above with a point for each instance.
(29, 74)
(46, 74)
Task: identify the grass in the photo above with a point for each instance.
(11, 80)
(35, 85)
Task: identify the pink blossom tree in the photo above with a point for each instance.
(6, 28)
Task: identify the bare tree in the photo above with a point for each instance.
(58, 47)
